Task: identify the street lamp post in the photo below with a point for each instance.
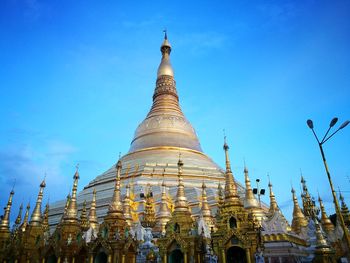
(320, 143)
(258, 191)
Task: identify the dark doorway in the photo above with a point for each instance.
(52, 259)
(101, 257)
(235, 255)
(176, 256)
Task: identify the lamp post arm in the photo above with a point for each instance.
(313, 131)
(330, 136)
(324, 137)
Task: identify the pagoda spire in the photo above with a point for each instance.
(84, 224)
(181, 203)
(72, 211)
(273, 203)
(127, 206)
(149, 216)
(221, 195)
(19, 216)
(299, 219)
(308, 206)
(164, 213)
(344, 210)
(165, 67)
(45, 219)
(249, 199)
(165, 124)
(25, 219)
(116, 206)
(35, 219)
(327, 225)
(5, 221)
(92, 213)
(205, 209)
(231, 194)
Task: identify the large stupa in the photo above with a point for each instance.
(158, 141)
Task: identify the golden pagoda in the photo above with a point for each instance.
(191, 211)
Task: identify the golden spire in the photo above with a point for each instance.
(68, 198)
(249, 199)
(19, 216)
(149, 217)
(35, 219)
(165, 124)
(344, 210)
(205, 209)
(221, 195)
(327, 225)
(127, 205)
(181, 200)
(45, 220)
(308, 206)
(92, 213)
(25, 219)
(84, 224)
(299, 219)
(164, 214)
(231, 194)
(116, 206)
(273, 203)
(5, 222)
(72, 211)
(165, 67)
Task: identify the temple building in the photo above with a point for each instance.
(167, 201)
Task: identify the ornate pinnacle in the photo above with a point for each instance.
(25, 219)
(344, 210)
(164, 213)
(149, 218)
(116, 204)
(181, 200)
(35, 219)
(273, 203)
(205, 210)
(231, 195)
(45, 220)
(327, 225)
(19, 216)
(92, 213)
(84, 224)
(127, 206)
(299, 219)
(72, 211)
(249, 200)
(5, 222)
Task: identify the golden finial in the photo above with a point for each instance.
(165, 67)
(127, 206)
(25, 219)
(249, 199)
(92, 213)
(72, 210)
(299, 219)
(84, 224)
(181, 200)
(5, 222)
(344, 210)
(35, 219)
(19, 216)
(116, 206)
(45, 219)
(231, 194)
(273, 203)
(327, 225)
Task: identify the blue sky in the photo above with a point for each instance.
(78, 76)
